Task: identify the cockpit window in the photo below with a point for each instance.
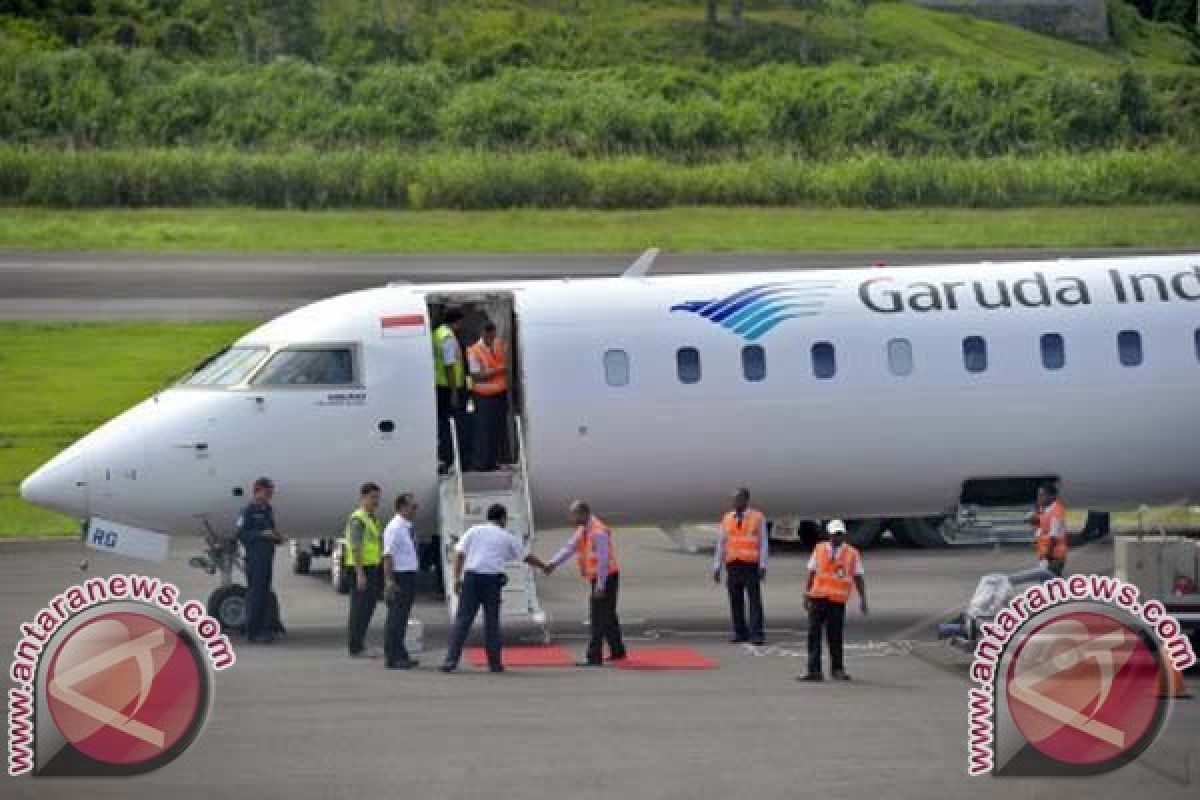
(226, 368)
(308, 366)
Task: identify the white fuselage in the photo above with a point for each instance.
(871, 439)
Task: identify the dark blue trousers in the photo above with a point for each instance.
(260, 562)
(743, 582)
(478, 590)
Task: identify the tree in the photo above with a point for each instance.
(736, 8)
(291, 27)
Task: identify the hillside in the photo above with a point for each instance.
(585, 103)
(482, 35)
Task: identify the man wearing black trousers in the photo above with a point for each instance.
(834, 571)
(479, 561)
(400, 582)
(256, 531)
(742, 552)
(364, 555)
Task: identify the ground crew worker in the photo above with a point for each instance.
(450, 375)
(479, 561)
(488, 362)
(742, 552)
(834, 570)
(400, 582)
(257, 534)
(592, 547)
(1050, 524)
(364, 554)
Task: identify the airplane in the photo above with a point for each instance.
(899, 395)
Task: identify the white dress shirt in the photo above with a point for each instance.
(398, 543)
(487, 548)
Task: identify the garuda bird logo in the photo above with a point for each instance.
(756, 310)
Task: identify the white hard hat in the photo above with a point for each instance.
(835, 526)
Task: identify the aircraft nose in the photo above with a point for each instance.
(60, 484)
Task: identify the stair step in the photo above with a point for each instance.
(498, 481)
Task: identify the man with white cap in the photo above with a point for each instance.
(834, 571)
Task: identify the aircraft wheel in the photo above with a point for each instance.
(920, 532)
(338, 573)
(863, 533)
(227, 605)
(302, 562)
(1097, 526)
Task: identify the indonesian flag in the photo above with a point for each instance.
(401, 325)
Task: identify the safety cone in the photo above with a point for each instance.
(1173, 684)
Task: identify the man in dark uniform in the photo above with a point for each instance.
(257, 534)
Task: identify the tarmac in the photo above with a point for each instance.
(299, 719)
(53, 286)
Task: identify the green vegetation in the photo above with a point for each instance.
(110, 98)
(480, 104)
(482, 180)
(57, 382)
(676, 229)
(481, 36)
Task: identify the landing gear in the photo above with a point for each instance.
(339, 575)
(302, 562)
(864, 533)
(227, 605)
(1095, 528)
(924, 533)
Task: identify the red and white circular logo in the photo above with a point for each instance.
(128, 690)
(1084, 689)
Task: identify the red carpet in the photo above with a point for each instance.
(665, 658)
(550, 655)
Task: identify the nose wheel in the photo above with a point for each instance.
(227, 605)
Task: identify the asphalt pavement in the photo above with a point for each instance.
(299, 719)
(189, 287)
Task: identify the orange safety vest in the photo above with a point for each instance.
(742, 541)
(585, 550)
(489, 358)
(1052, 548)
(834, 579)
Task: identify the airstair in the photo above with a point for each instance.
(463, 501)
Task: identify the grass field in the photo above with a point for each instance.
(675, 229)
(57, 382)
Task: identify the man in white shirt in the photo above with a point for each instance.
(479, 561)
(400, 582)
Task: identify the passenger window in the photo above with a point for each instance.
(308, 366)
(824, 360)
(1129, 348)
(754, 362)
(226, 368)
(1054, 354)
(616, 367)
(974, 354)
(687, 364)
(900, 357)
